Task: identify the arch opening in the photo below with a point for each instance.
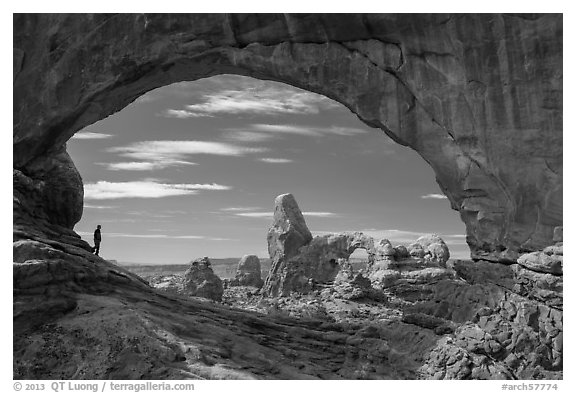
(229, 144)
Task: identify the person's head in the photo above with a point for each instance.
(98, 226)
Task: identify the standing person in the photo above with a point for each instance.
(97, 239)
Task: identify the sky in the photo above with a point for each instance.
(192, 169)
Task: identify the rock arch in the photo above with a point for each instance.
(479, 97)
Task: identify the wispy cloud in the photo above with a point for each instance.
(434, 196)
(153, 155)
(256, 214)
(260, 132)
(255, 98)
(271, 214)
(143, 189)
(183, 114)
(173, 150)
(91, 135)
(88, 206)
(249, 136)
(144, 165)
(276, 160)
(240, 209)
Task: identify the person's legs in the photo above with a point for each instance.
(96, 248)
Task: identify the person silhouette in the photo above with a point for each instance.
(97, 239)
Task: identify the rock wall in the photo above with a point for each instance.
(479, 97)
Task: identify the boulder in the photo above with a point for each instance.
(248, 272)
(435, 250)
(200, 280)
(541, 262)
(401, 252)
(384, 249)
(415, 250)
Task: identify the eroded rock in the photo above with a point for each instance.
(200, 280)
(249, 272)
(542, 262)
(287, 234)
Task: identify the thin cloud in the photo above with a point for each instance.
(270, 100)
(276, 160)
(249, 136)
(320, 214)
(271, 214)
(265, 132)
(240, 209)
(88, 206)
(143, 189)
(91, 135)
(183, 114)
(434, 196)
(144, 165)
(177, 150)
(313, 131)
(256, 214)
(243, 95)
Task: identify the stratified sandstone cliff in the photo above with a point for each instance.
(479, 97)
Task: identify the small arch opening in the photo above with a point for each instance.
(358, 259)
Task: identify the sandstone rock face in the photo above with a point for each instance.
(516, 339)
(200, 280)
(287, 234)
(558, 234)
(249, 272)
(479, 97)
(318, 261)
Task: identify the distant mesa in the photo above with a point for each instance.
(200, 280)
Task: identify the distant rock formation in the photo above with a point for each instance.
(248, 273)
(200, 280)
(433, 249)
(287, 234)
(299, 262)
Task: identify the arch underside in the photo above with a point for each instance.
(479, 97)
